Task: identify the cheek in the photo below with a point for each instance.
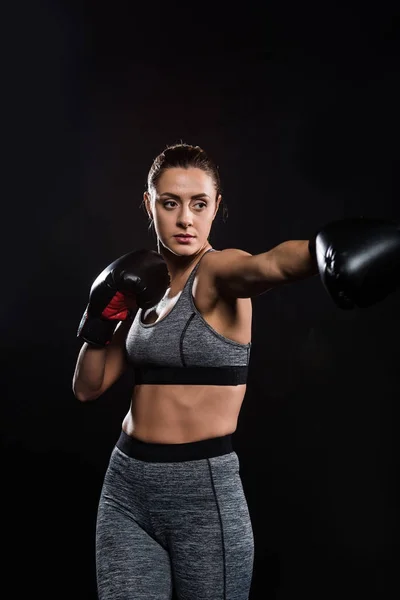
(160, 218)
(163, 221)
(208, 222)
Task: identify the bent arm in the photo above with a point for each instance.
(242, 275)
(97, 369)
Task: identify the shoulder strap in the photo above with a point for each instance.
(197, 266)
(189, 283)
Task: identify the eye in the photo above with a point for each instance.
(202, 205)
(169, 202)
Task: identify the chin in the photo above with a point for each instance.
(182, 249)
(185, 251)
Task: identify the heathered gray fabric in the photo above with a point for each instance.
(183, 339)
(182, 525)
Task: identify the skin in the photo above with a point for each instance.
(184, 201)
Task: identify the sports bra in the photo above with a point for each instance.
(182, 348)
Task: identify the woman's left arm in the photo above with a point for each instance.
(358, 260)
(242, 275)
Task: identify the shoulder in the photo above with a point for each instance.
(227, 254)
(214, 262)
(216, 269)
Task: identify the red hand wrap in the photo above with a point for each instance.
(117, 308)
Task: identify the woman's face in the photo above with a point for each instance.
(183, 203)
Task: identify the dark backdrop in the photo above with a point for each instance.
(298, 104)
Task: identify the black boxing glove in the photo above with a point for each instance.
(137, 279)
(358, 260)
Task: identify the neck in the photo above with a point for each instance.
(178, 266)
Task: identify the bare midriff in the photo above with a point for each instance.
(177, 414)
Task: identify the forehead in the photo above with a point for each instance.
(180, 181)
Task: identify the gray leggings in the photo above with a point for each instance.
(173, 518)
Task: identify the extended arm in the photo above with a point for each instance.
(357, 259)
(242, 275)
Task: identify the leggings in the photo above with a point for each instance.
(173, 519)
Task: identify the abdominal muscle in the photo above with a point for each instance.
(177, 414)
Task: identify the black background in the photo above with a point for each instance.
(298, 105)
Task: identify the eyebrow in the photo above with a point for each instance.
(176, 197)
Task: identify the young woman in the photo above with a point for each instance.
(172, 513)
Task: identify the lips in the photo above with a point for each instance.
(180, 235)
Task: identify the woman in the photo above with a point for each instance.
(172, 512)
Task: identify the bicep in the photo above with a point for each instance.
(239, 274)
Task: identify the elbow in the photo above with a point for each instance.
(85, 396)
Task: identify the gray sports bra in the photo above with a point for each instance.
(183, 348)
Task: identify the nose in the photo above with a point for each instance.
(185, 217)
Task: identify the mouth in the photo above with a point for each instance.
(184, 238)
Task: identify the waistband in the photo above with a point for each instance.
(156, 452)
(191, 375)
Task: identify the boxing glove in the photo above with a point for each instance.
(137, 279)
(358, 260)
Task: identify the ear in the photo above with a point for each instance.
(218, 201)
(147, 204)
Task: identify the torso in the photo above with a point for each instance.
(185, 413)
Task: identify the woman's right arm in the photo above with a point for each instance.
(97, 369)
(136, 279)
